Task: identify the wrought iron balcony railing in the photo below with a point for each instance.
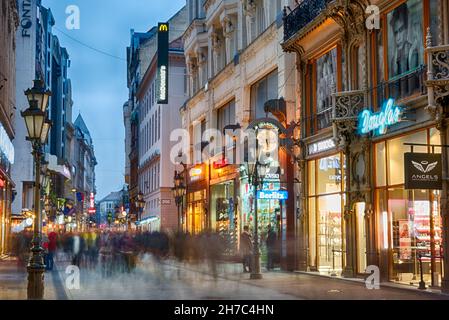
(302, 15)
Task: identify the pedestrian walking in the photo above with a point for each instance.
(246, 249)
(271, 243)
(52, 246)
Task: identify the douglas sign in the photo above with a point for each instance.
(423, 171)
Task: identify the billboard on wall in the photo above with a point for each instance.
(423, 171)
(162, 63)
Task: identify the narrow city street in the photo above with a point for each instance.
(171, 280)
(224, 150)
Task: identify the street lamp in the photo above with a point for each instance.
(140, 205)
(38, 127)
(256, 174)
(179, 191)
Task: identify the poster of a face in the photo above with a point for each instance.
(326, 67)
(405, 38)
(405, 240)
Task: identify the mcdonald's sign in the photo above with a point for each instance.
(163, 27)
(162, 63)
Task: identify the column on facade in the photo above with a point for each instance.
(228, 32)
(202, 66)
(249, 9)
(192, 67)
(216, 43)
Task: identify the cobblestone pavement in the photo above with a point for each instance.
(13, 282)
(172, 280)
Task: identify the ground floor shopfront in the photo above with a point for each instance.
(225, 203)
(6, 187)
(389, 226)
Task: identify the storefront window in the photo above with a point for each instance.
(326, 239)
(396, 150)
(196, 214)
(223, 214)
(409, 222)
(329, 175)
(330, 243)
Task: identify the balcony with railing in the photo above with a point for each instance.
(302, 15)
(403, 86)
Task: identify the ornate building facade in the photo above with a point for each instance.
(9, 22)
(372, 88)
(235, 65)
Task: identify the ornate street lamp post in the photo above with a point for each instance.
(179, 191)
(37, 126)
(256, 173)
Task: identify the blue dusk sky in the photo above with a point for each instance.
(99, 79)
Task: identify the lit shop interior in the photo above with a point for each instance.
(325, 207)
(224, 214)
(409, 223)
(269, 210)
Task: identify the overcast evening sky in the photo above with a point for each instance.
(98, 80)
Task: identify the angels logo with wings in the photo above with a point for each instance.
(424, 166)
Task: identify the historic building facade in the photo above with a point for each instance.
(365, 101)
(236, 66)
(148, 124)
(9, 22)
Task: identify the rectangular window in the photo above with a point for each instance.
(226, 116)
(262, 91)
(159, 124)
(403, 50)
(326, 81)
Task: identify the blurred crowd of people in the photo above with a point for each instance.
(119, 251)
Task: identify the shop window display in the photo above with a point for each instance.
(269, 211)
(409, 220)
(326, 237)
(223, 212)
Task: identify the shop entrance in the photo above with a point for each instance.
(223, 214)
(196, 213)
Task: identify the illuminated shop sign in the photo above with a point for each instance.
(378, 122)
(272, 195)
(6, 146)
(423, 171)
(321, 146)
(162, 63)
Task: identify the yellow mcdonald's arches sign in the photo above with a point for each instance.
(163, 28)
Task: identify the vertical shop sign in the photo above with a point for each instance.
(162, 63)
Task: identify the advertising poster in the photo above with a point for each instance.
(405, 240)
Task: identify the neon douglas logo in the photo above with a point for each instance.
(380, 121)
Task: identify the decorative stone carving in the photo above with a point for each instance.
(346, 107)
(437, 79)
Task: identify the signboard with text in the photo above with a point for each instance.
(162, 63)
(423, 171)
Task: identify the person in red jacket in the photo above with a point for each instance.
(52, 246)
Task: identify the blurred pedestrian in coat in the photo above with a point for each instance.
(246, 248)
